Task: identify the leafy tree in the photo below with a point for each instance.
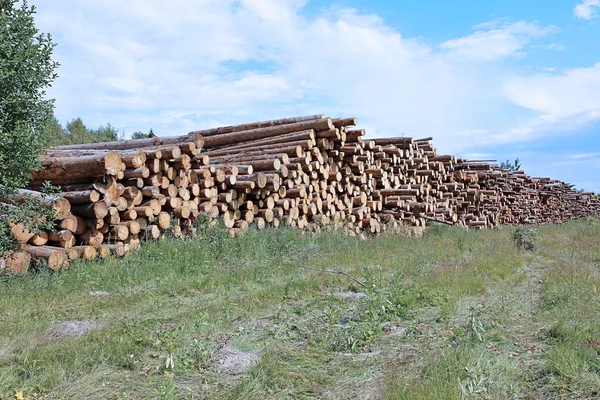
(55, 134)
(77, 133)
(105, 133)
(26, 70)
(142, 135)
(511, 166)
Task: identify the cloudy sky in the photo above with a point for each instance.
(491, 79)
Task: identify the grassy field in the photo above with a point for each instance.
(281, 315)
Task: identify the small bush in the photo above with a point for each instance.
(526, 238)
(437, 230)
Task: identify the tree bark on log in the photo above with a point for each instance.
(260, 133)
(257, 125)
(16, 263)
(57, 260)
(60, 169)
(58, 204)
(138, 144)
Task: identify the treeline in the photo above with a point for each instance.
(75, 132)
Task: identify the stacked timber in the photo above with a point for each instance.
(113, 196)
(309, 172)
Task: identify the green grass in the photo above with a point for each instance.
(454, 314)
(571, 304)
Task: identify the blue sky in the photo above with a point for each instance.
(487, 79)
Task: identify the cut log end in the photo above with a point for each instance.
(16, 263)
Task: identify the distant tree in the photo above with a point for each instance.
(142, 135)
(105, 133)
(77, 133)
(80, 134)
(511, 166)
(55, 134)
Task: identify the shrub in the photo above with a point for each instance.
(526, 238)
(26, 71)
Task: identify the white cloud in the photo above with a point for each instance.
(584, 156)
(574, 92)
(587, 9)
(495, 40)
(184, 65)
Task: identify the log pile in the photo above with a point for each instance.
(308, 172)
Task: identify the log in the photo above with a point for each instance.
(152, 232)
(104, 251)
(91, 237)
(93, 210)
(306, 139)
(15, 263)
(327, 175)
(260, 133)
(88, 252)
(62, 207)
(39, 239)
(57, 260)
(119, 232)
(82, 197)
(65, 239)
(137, 143)
(21, 233)
(58, 169)
(74, 224)
(164, 220)
(256, 125)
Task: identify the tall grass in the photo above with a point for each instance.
(571, 304)
(173, 304)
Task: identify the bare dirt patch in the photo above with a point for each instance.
(349, 295)
(74, 329)
(232, 361)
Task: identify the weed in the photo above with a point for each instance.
(166, 390)
(460, 372)
(476, 329)
(438, 230)
(526, 238)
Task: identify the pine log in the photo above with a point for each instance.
(152, 232)
(104, 251)
(93, 210)
(137, 143)
(39, 239)
(61, 206)
(82, 197)
(21, 233)
(87, 252)
(65, 239)
(74, 224)
(257, 125)
(260, 133)
(304, 139)
(58, 169)
(15, 263)
(92, 237)
(57, 260)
